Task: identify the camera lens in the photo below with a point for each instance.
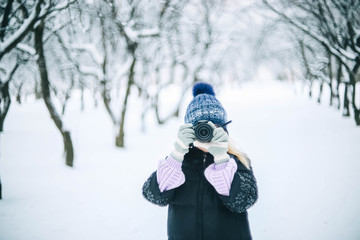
(203, 132)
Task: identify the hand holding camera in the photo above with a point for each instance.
(207, 135)
(219, 146)
(214, 139)
(186, 135)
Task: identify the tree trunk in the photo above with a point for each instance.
(104, 82)
(0, 179)
(119, 142)
(356, 109)
(68, 148)
(331, 80)
(37, 90)
(5, 96)
(320, 92)
(331, 93)
(5, 19)
(45, 89)
(106, 100)
(346, 110)
(308, 74)
(64, 103)
(338, 81)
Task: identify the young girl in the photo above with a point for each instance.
(208, 186)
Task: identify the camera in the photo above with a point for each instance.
(203, 131)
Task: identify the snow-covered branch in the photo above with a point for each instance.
(52, 11)
(153, 32)
(20, 33)
(90, 71)
(343, 55)
(56, 29)
(26, 48)
(95, 55)
(9, 74)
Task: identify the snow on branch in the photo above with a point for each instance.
(134, 36)
(144, 33)
(19, 34)
(95, 55)
(153, 32)
(9, 74)
(90, 71)
(47, 11)
(130, 34)
(342, 54)
(26, 48)
(56, 29)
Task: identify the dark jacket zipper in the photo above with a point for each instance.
(200, 200)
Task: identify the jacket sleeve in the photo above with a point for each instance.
(243, 192)
(169, 174)
(152, 192)
(221, 176)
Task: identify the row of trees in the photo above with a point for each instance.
(325, 37)
(112, 48)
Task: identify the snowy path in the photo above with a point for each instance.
(305, 156)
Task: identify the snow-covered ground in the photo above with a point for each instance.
(306, 158)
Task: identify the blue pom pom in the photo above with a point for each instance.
(200, 88)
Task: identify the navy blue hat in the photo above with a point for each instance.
(205, 106)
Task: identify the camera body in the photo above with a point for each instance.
(203, 131)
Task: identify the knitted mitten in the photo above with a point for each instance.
(218, 146)
(186, 135)
(169, 174)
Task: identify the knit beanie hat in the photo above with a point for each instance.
(205, 106)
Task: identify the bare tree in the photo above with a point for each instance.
(334, 25)
(45, 89)
(18, 19)
(114, 48)
(193, 46)
(26, 18)
(5, 99)
(29, 16)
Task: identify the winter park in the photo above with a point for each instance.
(95, 97)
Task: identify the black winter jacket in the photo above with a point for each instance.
(196, 211)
